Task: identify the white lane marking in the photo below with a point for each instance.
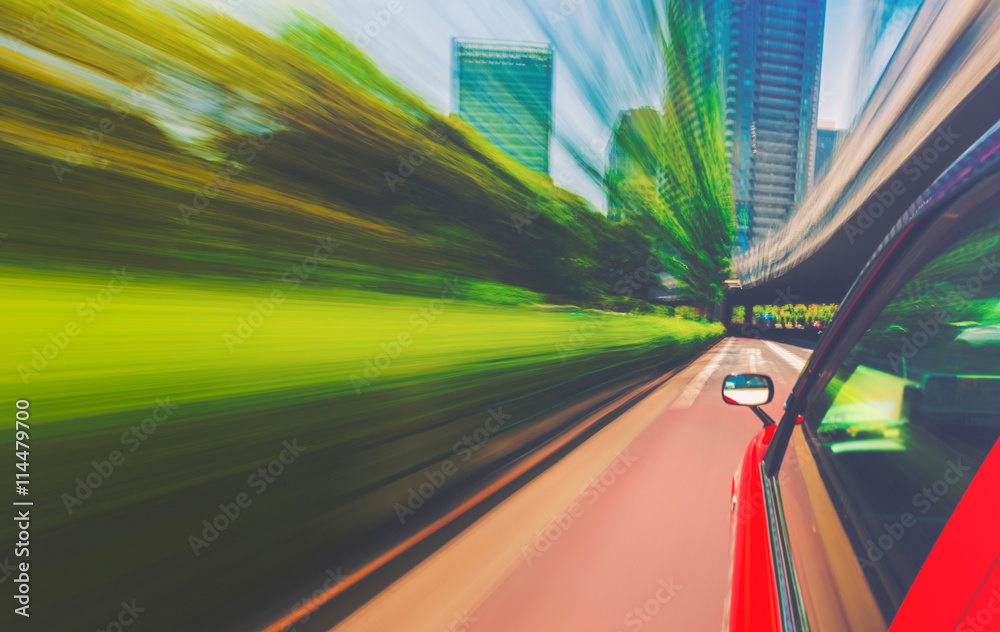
(753, 354)
(797, 363)
(799, 351)
(693, 389)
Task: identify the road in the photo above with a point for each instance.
(628, 532)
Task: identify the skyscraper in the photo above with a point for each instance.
(504, 90)
(716, 14)
(631, 160)
(772, 56)
(826, 141)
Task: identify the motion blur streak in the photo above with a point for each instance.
(607, 61)
(522, 467)
(953, 44)
(587, 541)
(238, 214)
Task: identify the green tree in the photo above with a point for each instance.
(690, 217)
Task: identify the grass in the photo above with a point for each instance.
(234, 404)
(196, 342)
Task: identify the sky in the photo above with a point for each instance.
(838, 73)
(605, 58)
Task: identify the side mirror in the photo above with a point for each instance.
(747, 389)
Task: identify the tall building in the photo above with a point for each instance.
(772, 58)
(504, 90)
(826, 141)
(631, 160)
(716, 14)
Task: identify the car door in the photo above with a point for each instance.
(892, 428)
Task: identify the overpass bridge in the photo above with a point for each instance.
(938, 96)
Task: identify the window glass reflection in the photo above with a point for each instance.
(904, 424)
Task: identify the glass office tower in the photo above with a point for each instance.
(504, 90)
(772, 53)
(826, 141)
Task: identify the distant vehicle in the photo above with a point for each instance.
(872, 504)
(766, 321)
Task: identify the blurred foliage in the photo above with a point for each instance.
(500, 294)
(215, 165)
(189, 142)
(791, 314)
(203, 340)
(638, 306)
(948, 309)
(323, 366)
(678, 187)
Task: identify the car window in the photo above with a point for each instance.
(882, 459)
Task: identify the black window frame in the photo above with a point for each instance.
(913, 243)
(918, 241)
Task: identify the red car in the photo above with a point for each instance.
(874, 503)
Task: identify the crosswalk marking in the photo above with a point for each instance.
(753, 354)
(693, 389)
(797, 363)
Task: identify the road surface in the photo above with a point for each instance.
(628, 532)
